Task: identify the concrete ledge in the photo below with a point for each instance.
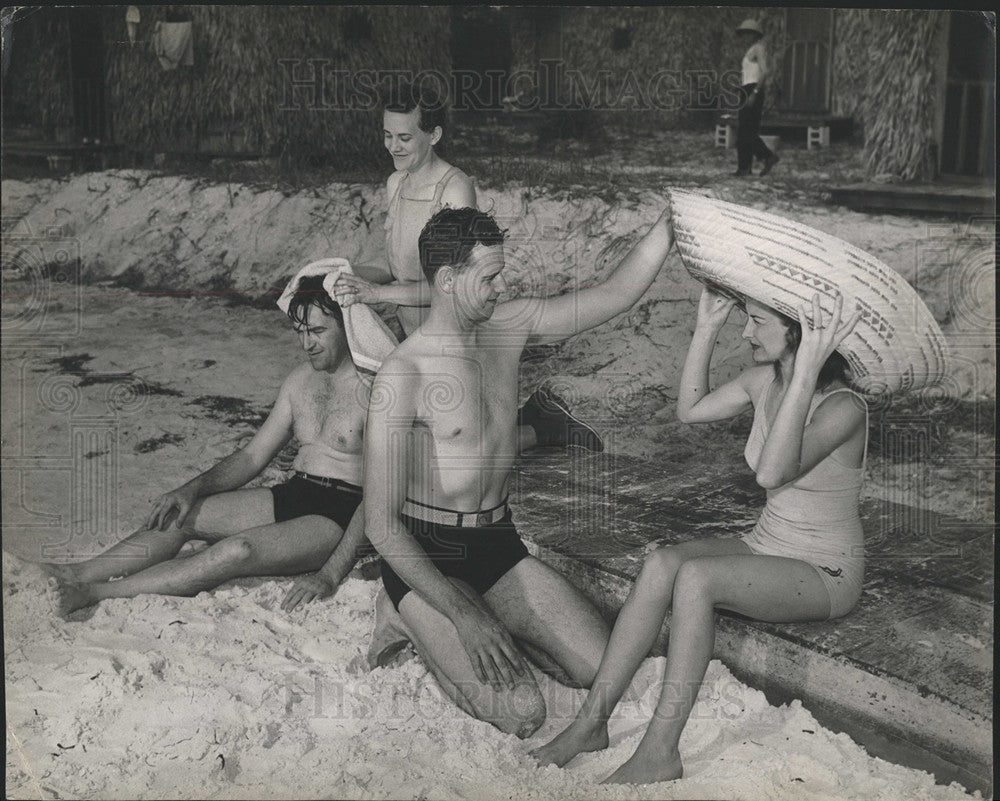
(908, 674)
(938, 197)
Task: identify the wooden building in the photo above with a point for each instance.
(920, 85)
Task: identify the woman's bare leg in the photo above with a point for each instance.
(635, 631)
(770, 588)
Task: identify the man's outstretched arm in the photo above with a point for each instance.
(231, 472)
(562, 317)
(388, 456)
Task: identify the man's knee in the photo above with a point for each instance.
(532, 715)
(587, 676)
(520, 711)
(237, 551)
(526, 713)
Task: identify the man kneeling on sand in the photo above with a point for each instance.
(292, 528)
(441, 440)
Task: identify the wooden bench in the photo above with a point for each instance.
(817, 127)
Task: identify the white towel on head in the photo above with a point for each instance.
(369, 339)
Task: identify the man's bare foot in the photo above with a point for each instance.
(68, 597)
(647, 768)
(388, 635)
(574, 739)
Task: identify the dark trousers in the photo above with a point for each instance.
(748, 141)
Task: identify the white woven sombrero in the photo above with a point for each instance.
(896, 345)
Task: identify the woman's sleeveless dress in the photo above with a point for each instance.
(404, 221)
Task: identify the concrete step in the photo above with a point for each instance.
(908, 673)
(935, 197)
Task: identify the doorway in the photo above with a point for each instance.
(968, 139)
(480, 56)
(805, 68)
(86, 60)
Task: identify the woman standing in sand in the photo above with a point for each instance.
(803, 561)
(423, 183)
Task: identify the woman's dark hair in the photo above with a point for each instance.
(835, 368)
(403, 99)
(308, 293)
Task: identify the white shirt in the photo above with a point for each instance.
(754, 63)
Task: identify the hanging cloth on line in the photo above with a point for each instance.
(173, 44)
(132, 19)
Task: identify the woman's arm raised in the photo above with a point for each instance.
(695, 403)
(793, 448)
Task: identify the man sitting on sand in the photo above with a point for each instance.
(295, 527)
(439, 448)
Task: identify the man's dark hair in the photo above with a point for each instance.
(403, 99)
(308, 293)
(451, 234)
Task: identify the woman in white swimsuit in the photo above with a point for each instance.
(803, 561)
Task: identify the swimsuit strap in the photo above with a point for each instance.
(864, 456)
(394, 201)
(439, 189)
(763, 413)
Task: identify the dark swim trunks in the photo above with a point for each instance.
(305, 495)
(478, 556)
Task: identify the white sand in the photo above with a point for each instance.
(226, 696)
(149, 697)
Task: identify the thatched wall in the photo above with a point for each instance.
(36, 84)
(641, 66)
(662, 64)
(885, 76)
(237, 87)
(635, 47)
(231, 99)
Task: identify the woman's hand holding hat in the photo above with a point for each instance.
(713, 309)
(821, 338)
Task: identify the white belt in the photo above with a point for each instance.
(448, 517)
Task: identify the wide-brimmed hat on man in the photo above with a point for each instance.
(750, 26)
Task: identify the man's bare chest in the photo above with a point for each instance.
(329, 411)
(467, 400)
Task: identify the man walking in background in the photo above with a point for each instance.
(754, 75)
